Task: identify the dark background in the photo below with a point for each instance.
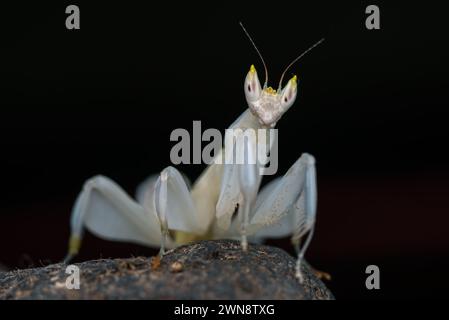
(372, 108)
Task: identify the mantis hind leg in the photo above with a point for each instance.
(106, 210)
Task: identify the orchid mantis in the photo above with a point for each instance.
(167, 213)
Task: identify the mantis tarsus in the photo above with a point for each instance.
(167, 213)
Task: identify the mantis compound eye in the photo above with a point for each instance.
(252, 85)
(288, 94)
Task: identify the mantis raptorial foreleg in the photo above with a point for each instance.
(249, 181)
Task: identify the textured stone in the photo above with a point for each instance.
(203, 270)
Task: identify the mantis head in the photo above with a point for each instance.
(266, 103)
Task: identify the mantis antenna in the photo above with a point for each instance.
(258, 52)
(296, 59)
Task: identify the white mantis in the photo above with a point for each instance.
(167, 213)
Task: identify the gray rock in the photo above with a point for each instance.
(203, 270)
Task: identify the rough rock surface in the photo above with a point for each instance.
(203, 270)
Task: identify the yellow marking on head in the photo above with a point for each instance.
(294, 79)
(252, 69)
(270, 90)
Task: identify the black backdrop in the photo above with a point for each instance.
(372, 107)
